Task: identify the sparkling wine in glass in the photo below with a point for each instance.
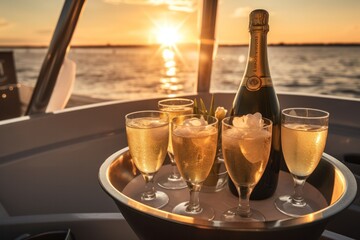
(194, 139)
(174, 107)
(148, 136)
(303, 137)
(246, 143)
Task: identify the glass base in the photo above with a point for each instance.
(285, 205)
(159, 201)
(232, 215)
(172, 183)
(205, 212)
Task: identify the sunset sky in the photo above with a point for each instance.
(31, 22)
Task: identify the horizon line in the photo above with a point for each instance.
(282, 44)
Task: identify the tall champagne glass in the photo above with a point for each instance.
(148, 134)
(246, 149)
(194, 141)
(303, 137)
(174, 107)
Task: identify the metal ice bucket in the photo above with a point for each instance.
(332, 181)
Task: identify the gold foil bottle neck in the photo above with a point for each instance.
(259, 20)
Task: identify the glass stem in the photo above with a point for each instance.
(244, 198)
(149, 193)
(297, 198)
(175, 175)
(194, 203)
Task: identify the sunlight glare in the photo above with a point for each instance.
(171, 72)
(168, 54)
(170, 64)
(168, 35)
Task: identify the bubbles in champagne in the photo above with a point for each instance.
(303, 146)
(194, 144)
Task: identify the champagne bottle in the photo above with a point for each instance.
(257, 94)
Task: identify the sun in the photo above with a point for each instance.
(167, 35)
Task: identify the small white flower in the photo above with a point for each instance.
(220, 113)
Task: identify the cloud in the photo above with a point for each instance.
(241, 12)
(4, 23)
(44, 31)
(173, 5)
(141, 2)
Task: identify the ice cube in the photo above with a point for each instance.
(249, 121)
(137, 123)
(192, 122)
(239, 122)
(292, 112)
(195, 122)
(256, 145)
(233, 133)
(183, 131)
(257, 115)
(146, 122)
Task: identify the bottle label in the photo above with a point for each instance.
(254, 83)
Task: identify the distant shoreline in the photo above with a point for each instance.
(220, 45)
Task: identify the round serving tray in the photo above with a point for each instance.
(332, 187)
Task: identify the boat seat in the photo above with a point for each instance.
(63, 86)
(14, 97)
(10, 105)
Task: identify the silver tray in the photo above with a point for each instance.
(332, 186)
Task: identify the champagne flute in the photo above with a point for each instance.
(174, 107)
(246, 149)
(194, 139)
(303, 137)
(148, 134)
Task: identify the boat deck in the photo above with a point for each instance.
(49, 166)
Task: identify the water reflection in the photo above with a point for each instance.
(142, 71)
(169, 81)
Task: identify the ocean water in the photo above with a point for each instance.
(133, 72)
